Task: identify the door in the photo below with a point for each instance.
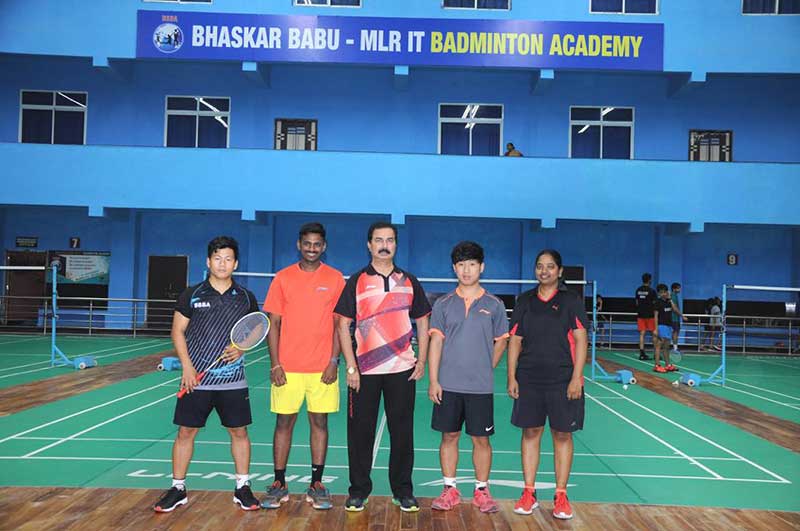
(20, 311)
(166, 279)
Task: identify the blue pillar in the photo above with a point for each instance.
(123, 269)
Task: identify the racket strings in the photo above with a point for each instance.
(250, 331)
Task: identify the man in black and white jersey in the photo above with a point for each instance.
(204, 316)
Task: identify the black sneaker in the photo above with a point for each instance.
(644, 357)
(245, 499)
(407, 504)
(355, 504)
(171, 499)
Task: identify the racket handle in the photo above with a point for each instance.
(183, 391)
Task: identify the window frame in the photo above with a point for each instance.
(476, 8)
(601, 123)
(296, 3)
(441, 120)
(197, 114)
(54, 107)
(774, 13)
(623, 12)
(724, 131)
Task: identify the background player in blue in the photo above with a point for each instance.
(469, 332)
(546, 355)
(204, 316)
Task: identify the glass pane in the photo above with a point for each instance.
(452, 111)
(36, 126)
(181, 131)
(586, 141)
(486, 139)
(616, 142)
(37, 98)
(215, 104)
(492, 4)
(213, 132)
(345, 2)
(758, 6)
(69, 127)
(585, 113)
(71, 99)
(607, 6)
(455, 139)
(789, 7)
(312, 2)
(640, 6)
(459, 3)
(487, 111)
(182, 104)
(617, 114)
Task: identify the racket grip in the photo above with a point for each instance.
(183, 391)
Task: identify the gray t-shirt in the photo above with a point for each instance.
(469, 328)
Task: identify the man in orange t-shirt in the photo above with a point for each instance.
(304, 351)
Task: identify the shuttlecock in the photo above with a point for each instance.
(625, 387)
(675, 383)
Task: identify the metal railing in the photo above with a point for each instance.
(88, 315)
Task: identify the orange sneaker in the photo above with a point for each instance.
(561, 506)
(527, 502)
(659, 368)
(483, 500)
(671, 368)
(449, 498)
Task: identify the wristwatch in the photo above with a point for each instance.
(351, 370)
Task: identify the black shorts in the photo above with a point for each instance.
(232, 405)
(457, 408)
(538, 402)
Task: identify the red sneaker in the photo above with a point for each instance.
(449, 498)
(561, 506)
(527, 502)
(659, 368)
(671, 368)
(483, 500)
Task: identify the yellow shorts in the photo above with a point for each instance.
(319, 397)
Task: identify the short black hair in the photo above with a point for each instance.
(662, 287)
(675, 285)
(223, 242)
(380, 225)
(311, 228)
(467, 251)
(646, 278)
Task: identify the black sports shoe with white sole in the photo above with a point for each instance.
(245, 499)
(171, 499)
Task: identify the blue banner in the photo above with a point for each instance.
(400, 41)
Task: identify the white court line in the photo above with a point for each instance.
(103, 405)
(339, 447)
(4, 343)
(48, 354)
(701, 437)
(772, 362)
(377, 445)
(654, 436)
(755, 395)
(342, 467)
(725, 387)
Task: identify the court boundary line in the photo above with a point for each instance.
(118, 399)
(653, 436)
(699, 436)
(381, 467)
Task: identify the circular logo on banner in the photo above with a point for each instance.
(168, 38)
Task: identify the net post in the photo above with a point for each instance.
(594, 328)
(724, 329)
(55, 352)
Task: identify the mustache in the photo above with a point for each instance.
(383, 251)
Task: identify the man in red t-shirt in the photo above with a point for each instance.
(304, 351)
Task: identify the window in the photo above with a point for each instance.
(477, 4)
(194, 121)
(601, 132)
(470, 129)
(328, 3)
(296, 134)
(626, 7)
(52, 117)
(771, 7)
(182, 1)
(711, 146)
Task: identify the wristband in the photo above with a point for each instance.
(275, 367)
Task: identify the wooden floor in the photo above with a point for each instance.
(20, 397)
(776, 430)
(101, 509)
